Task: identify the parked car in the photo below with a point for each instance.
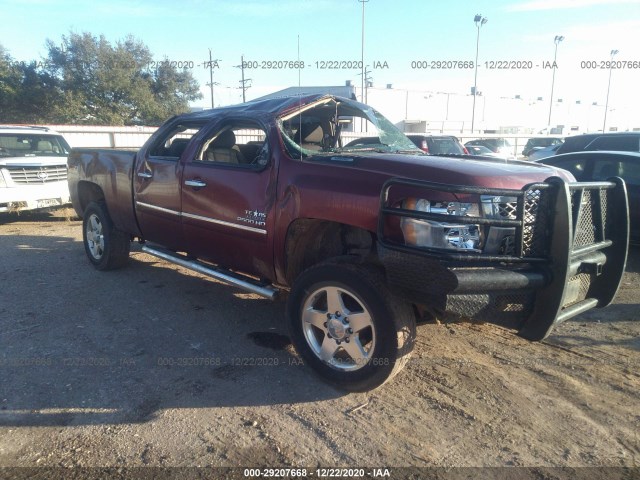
(545, 152)
(496, 145)
(623, 142)
(438, 144)
(482, 151)
(601, 165)
(264, 196)
(538, 143)
(33, 169)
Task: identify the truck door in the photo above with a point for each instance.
(228, 193)
(156, 185)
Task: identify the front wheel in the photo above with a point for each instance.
(107, 247)
(348, 327)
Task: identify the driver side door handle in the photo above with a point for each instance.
(195, 183)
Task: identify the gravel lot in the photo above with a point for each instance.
(156, 366)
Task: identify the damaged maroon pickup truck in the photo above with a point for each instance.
(366, 235)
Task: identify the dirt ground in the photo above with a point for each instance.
(154, 365)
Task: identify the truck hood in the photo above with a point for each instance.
(481, 172)
(32, 161)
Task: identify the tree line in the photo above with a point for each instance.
(85, 79)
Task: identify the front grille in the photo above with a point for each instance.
(37, 175)
(585, 229)
(507, 209)
(577, 288)
(535, 238)
(604, 194)
(507, 308)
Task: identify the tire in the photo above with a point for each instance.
(366, 349)
(106, 247)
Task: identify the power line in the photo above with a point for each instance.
(212, 63)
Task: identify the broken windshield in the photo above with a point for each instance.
(333, 125)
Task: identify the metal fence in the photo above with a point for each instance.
(104, 136)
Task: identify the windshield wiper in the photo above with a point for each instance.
(413, 152)
(367, 149)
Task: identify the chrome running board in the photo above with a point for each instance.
(231, 278)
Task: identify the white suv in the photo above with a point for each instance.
(33, 168)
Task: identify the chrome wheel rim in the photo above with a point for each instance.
(95, 237)
(338, 328)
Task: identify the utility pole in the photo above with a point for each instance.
(362, 67)
(243, 82)
(211, 82)
(367, 81)
(364, 97)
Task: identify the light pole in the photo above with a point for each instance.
(479, 20)
(606, 105)
(447, 107)
(556, 40)
(363, 79)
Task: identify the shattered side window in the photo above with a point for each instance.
(305, 135)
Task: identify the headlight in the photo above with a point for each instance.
(462, 236)
(447, 208)
(449, 235)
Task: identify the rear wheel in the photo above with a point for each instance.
(348, 327)
(107, 247)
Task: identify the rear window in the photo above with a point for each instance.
(32, 145)
(575, 144)
(173, 144)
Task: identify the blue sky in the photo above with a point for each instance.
(397, 32)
